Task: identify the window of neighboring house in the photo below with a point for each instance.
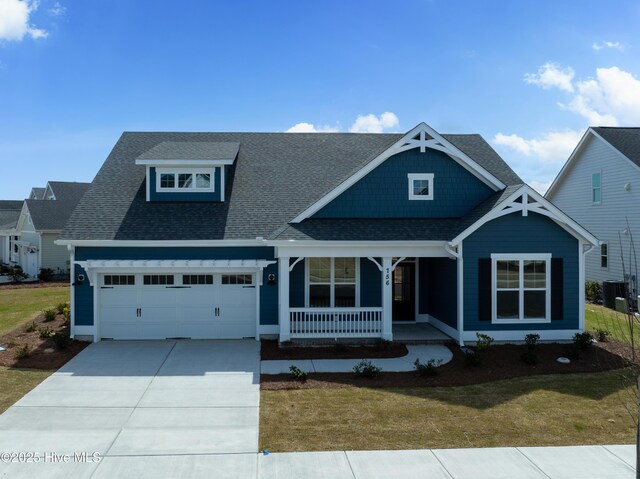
(332, 282)
(604, 255)
(596, 188)
(200, 179)
(420, 186)
(521, 288)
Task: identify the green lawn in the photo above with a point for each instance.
(599, 317)
(18, 306)
(15, 383)
(533, 411)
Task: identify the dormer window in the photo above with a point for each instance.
(183, 180)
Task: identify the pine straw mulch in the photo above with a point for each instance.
(501, 361)
(37, 357)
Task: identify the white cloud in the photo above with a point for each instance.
(551, 75)
(363, 124)
(540, 186)
(374, 124)
(610, 99)
(14, 20)
(602, 45)
(552, 147)
(311, 128)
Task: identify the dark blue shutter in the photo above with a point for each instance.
(484, 289)
(557, 289)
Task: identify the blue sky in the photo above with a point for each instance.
(529, 76)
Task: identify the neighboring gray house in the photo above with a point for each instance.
(599, 187)
(39, 225)
(9, 215)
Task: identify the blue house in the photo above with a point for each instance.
(322, 235)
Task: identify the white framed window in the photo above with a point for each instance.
(119, 280)
(157, 279)
(246, 279)
(185, 181)
(332, 283)
(596, 188)
(604, 255)
(420, 186)
(521, 288)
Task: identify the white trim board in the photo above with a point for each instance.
(415, 138)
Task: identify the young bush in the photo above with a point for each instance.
(593, 291)
(428, 368)
(67, 314)
(16, 274)
(49, 314)
(22, 352)
(31, 327)
(298, 374)
(602, 335)
(483, 342)
(61, 307)
(582, 341)
(45, 332)
(61, 340)
(366, 369)
(472, 357)
(530, 355)
(45, 275)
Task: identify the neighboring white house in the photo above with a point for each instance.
(599, 187)
(39, 225)
(9, 215)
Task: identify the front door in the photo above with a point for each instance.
(404, 291)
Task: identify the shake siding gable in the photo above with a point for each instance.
(519, 234)
(383, 193)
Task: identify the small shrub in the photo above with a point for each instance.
(483, 342)
(472, 357)
(49, 314)
(45, 332)
(22, 352)
(45, 275)
(67, 313)
(61, 307)
(593, 291)
(602, 335)
(428, 368)
(531, 340)
(582, 341)
(31, 327)
(366, 369)
(298, 374)
(62, 340)
(16, 274)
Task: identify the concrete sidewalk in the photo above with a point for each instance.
(571, 462)
(424, 352)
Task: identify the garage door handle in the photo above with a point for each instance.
(248, 286)
(177, 287)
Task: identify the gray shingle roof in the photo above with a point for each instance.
(274, 178)
(39, 192)
(10, 213)
(192, 150)
(625, 140)
(52, 215)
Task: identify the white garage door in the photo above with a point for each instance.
(159, 306)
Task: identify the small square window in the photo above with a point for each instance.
(420, 186)
(167, 180)
(596, 188)
(185, 180)
(203, 180)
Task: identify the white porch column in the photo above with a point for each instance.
(460, 278)
(387, 297)
(283, 298)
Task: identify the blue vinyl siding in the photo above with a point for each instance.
(383, 193)
(155, 195)
(268, 292)
(515, 233)
(370, 284)
(438, 289)
(296, 285)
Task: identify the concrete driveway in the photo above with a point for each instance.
(148, 409)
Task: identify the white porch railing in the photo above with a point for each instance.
(335, 322)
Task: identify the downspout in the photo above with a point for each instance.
(457, 254)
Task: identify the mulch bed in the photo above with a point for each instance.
(38, 358)
(35, 284)
(499, 362)
(269, 350)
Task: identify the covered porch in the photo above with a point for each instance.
(347, 295)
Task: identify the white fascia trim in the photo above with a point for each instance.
(161, 243)
(545, 334)
(508, 206)
(352, 244)
(47, 189)
(407, 142)
(178, 162)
